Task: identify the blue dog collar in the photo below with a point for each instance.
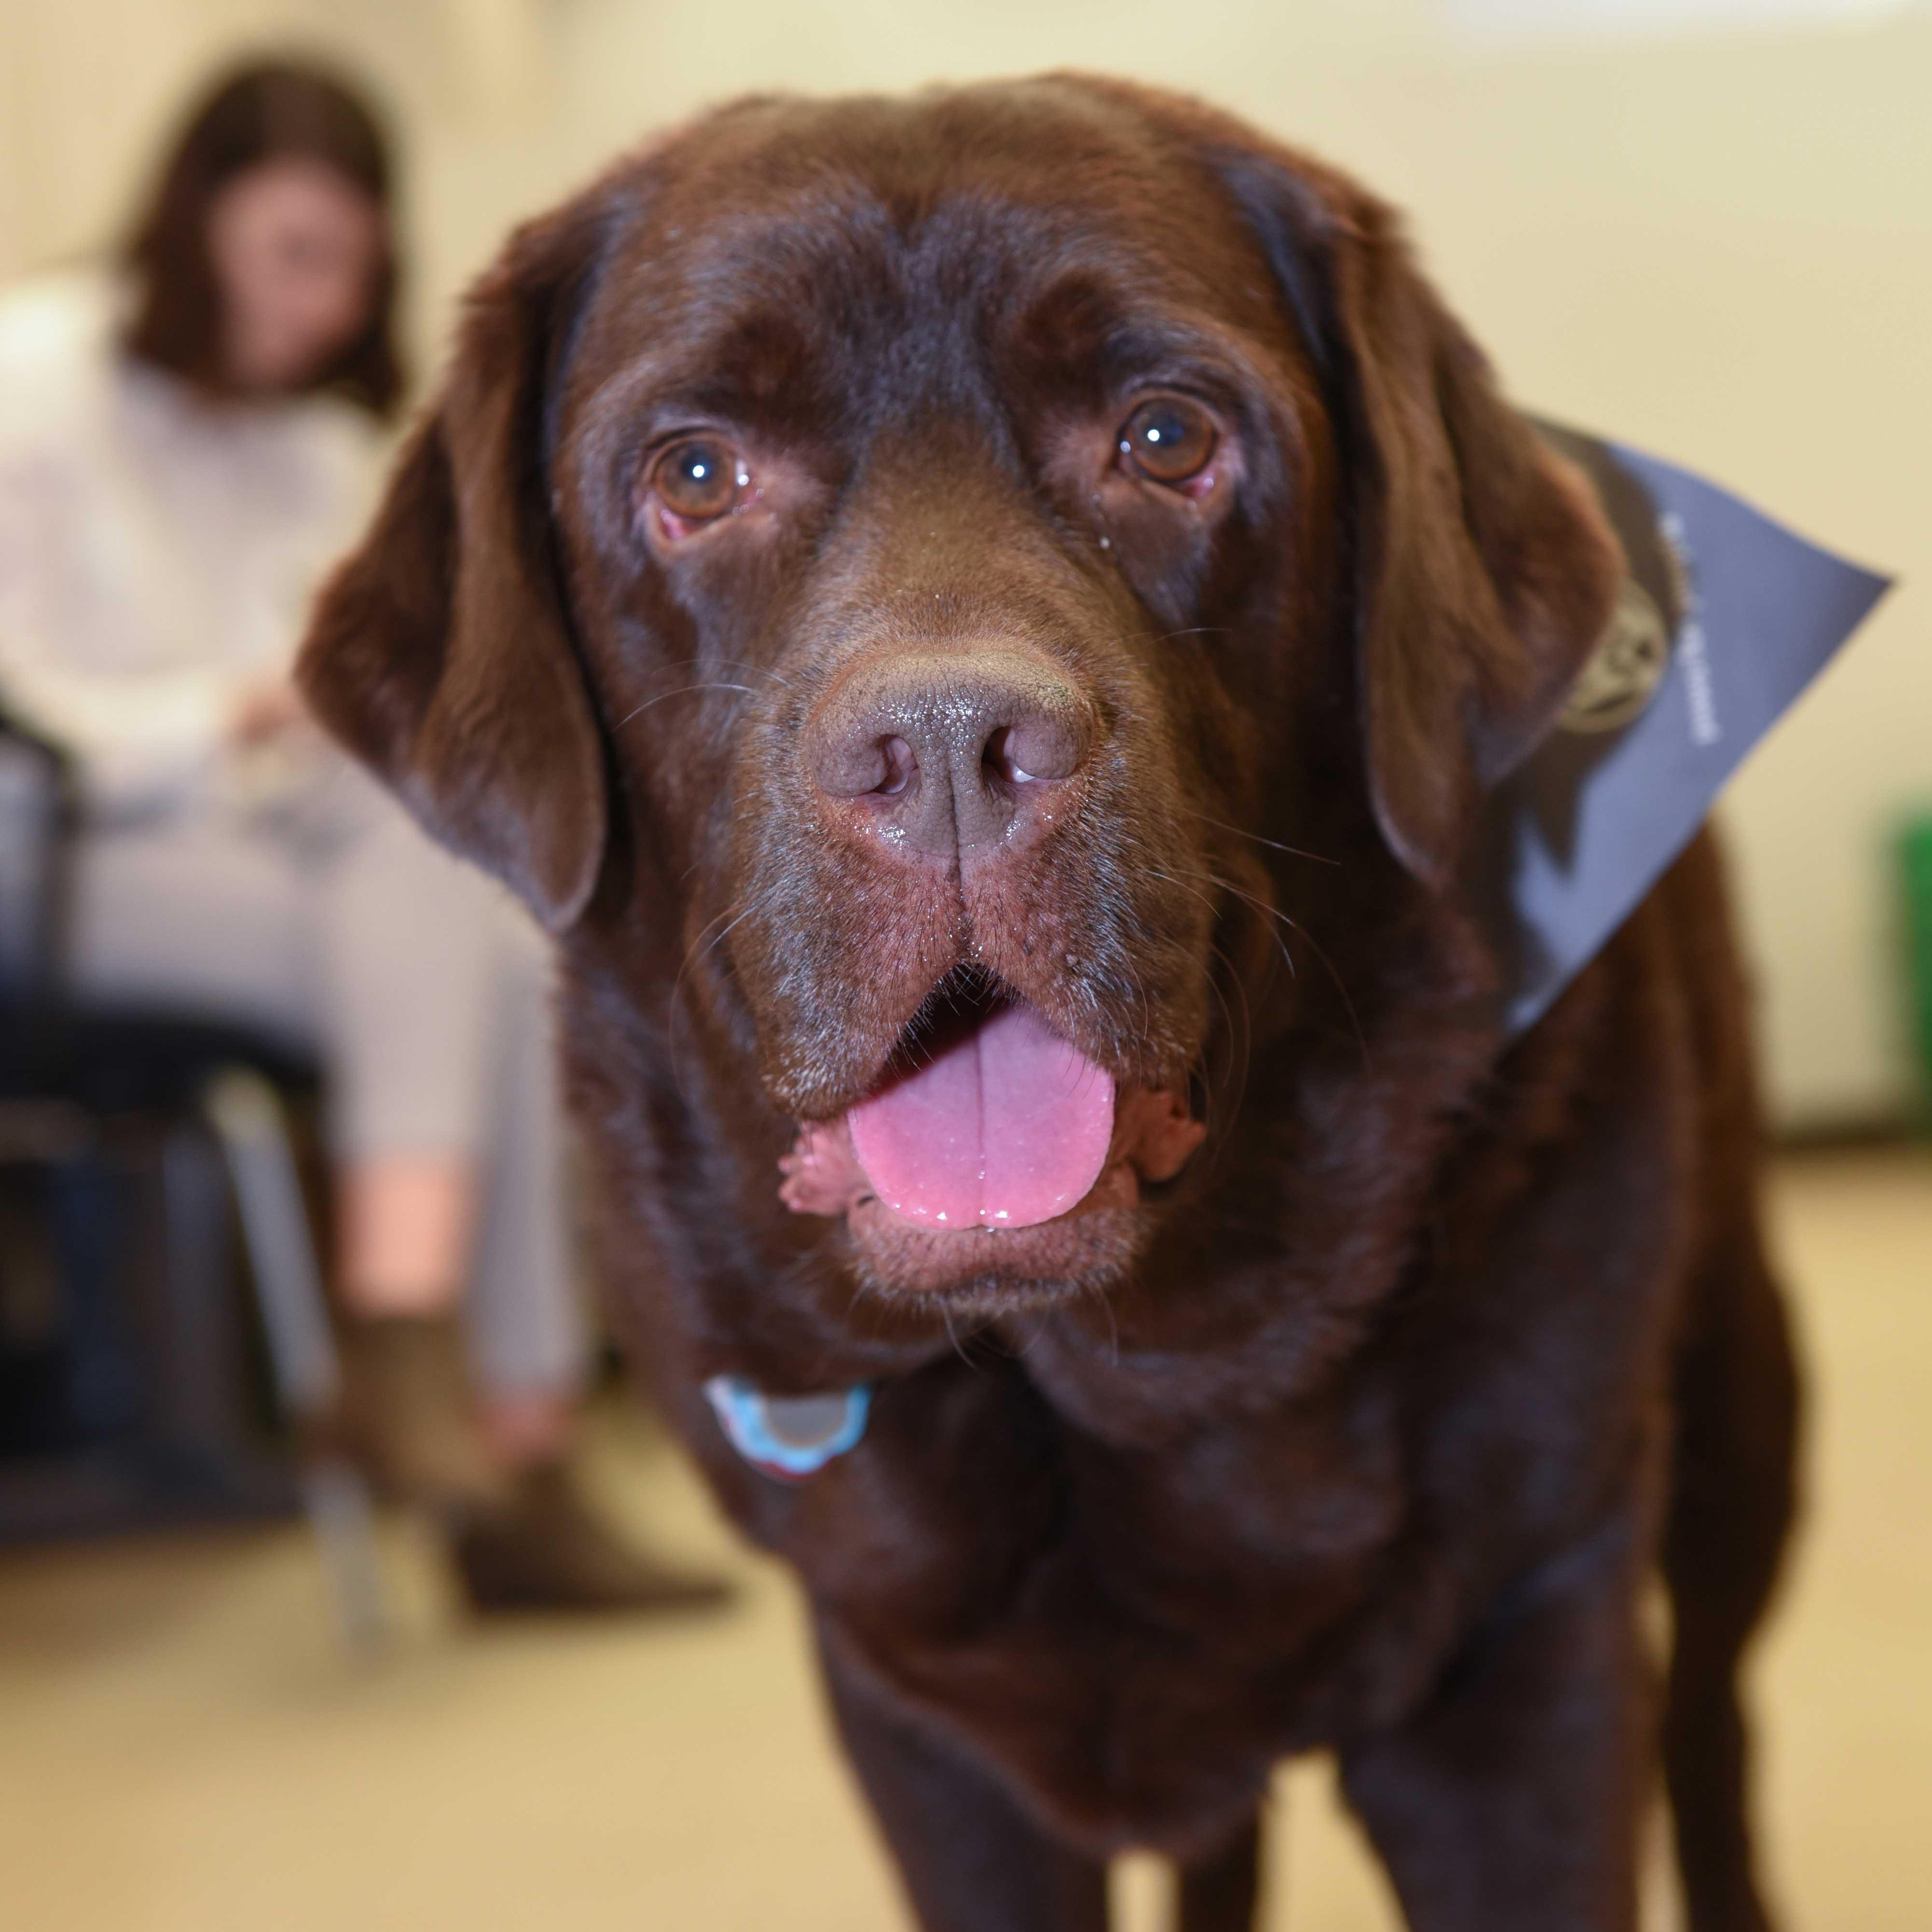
(788, 1436)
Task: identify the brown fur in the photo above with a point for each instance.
(1363, 1434)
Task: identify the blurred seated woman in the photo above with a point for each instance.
(185, 444)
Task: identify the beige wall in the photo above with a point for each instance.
(1719, 246)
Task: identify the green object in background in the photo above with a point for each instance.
(1914, 852)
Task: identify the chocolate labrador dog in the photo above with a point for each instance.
(984, 624)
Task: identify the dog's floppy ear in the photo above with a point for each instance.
(1483, 572)
(440, 653)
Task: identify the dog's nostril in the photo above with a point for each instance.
(998, 759)
(1035, 749)
(867, 767)
(899, 764)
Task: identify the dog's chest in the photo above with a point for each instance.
(1136, 1631)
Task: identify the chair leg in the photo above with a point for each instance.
(337, 1499)
(246, 1113)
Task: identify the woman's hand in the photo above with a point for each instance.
(264, 711)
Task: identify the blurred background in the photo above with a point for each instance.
(1702, 227)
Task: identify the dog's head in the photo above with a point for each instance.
(938, 558)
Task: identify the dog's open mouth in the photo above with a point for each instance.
(986, 1117)
(986, 1120)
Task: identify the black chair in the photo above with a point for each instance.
(133, 1144)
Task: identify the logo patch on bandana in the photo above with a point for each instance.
(1625, 669)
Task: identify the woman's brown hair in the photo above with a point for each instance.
(264, 111)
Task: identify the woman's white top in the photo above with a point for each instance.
(158, 549)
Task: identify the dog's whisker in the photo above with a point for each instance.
(692, 956)
(1168, 636)
(1106, 1301)
(756, 670)
(683, 691)
(1328, 965)
(1239, 1040)
(1239, 1049)
(1260, 905)
(1274, 844)
(1215, 879)
(1295, 926)
(1146, 1011)
(952, 1334)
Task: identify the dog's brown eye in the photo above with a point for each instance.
(1168, 439)
(697, 479)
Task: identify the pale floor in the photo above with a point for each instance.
(183, 1748)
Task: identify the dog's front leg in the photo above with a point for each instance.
(971, 1859)
(1510, 1801)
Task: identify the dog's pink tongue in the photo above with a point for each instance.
(1007, 1128)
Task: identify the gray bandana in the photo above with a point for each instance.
(1724, 619)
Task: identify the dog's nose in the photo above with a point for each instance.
(949, 749)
